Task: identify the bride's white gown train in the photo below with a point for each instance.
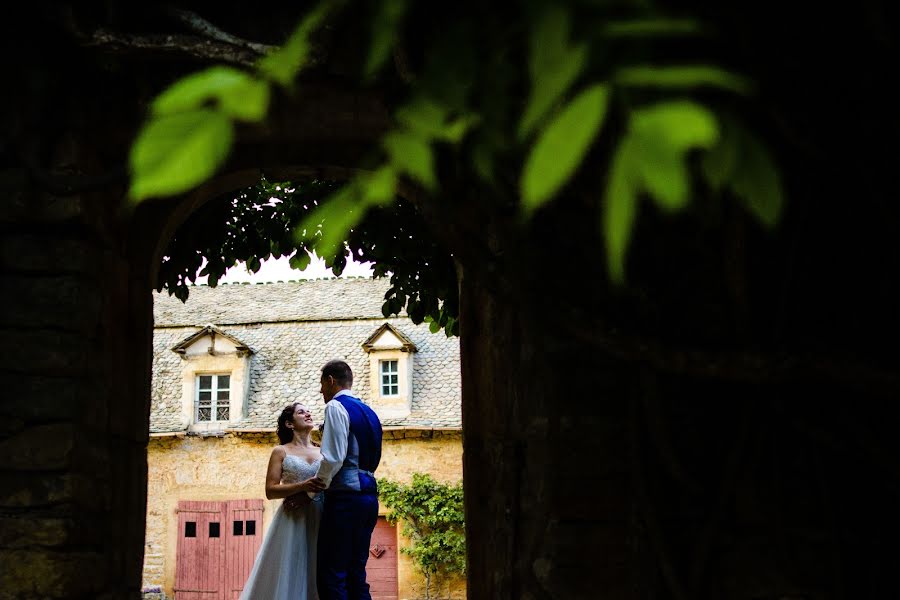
(285, 568)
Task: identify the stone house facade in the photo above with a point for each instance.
(224, 365)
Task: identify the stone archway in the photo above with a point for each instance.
(76, 365)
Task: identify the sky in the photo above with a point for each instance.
(280, 270)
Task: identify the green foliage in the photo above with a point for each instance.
(385, 27)
(741, 165)
(598, 100)
(283, 219)
(554, 63)
(432, 519)
(562, 146)
(237, 94)
(175, 152)
(190, 130)
(652, 159)
(282, 65)
(681, 77)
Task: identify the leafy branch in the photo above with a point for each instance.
(597, 102)
(432, 519)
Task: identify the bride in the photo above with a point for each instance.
(285, 567)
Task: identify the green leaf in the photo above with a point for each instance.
(380, 186)
(483, 161)
(283, 64)
(248, 101)
(384, 33)
(429, 120)
(174, 153)
(561, 147)
(638, 28)
(554, 64)
(327, 225)
(239, 94)
(620, 206)
(300, 260)
(682, 77)
(411, 154)
(757, 182)
(434, 327)
(719, 163)
(663, 134)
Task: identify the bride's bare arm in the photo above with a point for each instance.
(276, 489)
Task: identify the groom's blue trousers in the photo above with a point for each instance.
(345, 534)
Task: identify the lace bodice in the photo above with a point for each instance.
(296, 468)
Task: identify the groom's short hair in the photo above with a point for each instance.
(339, 370)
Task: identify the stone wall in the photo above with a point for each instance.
(233, 466)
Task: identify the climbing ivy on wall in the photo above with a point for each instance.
(432, 520)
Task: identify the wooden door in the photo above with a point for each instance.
(200, 551)
(381, 568)
(217, 544)
(243, 539)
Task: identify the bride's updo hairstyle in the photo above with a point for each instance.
(285, 433)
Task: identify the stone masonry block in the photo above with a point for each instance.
(44, 447)
(50, 574)
(33, 253)
(60, 302)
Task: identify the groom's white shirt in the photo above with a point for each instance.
(334, 439)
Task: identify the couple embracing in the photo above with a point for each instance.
(318, 542)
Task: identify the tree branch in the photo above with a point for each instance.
(210, 31)
(184, 45)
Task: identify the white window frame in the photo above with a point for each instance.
(214, 404)
(393, 383)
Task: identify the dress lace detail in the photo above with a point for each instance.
(285, 568)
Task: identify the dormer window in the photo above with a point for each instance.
(391, 371)
(390, 382)
(213, 397)
(215, 379)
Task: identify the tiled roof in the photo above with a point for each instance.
(290, 346)
(311, 300)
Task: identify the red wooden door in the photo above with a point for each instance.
(381, 568)
(201, 550)
(217, 544)
(243, 539)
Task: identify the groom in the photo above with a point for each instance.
(351, 450)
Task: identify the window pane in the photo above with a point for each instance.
(205, 397)
(224, 382)
(394, 379)
(203, 414)
(238, 528)
(222, 413)
(251, 527)
(388, 366)
(190, 529)
(205, 382)
(213, 530)
(222, 395)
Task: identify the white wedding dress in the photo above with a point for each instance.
(285, 568)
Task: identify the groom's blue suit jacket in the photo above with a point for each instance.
(363, 449)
